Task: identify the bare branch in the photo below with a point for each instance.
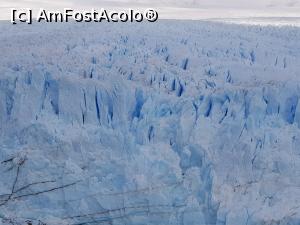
(44, 191)
(7, 160)
(32, 184)
(125, 208)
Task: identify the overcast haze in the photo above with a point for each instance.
(180, 9)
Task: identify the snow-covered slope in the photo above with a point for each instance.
(186, 123)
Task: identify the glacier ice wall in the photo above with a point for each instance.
(186, 123)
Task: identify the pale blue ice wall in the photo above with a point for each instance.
(167, 123)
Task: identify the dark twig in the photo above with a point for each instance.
(32, 184)
(123, 209)
(45, 191)
(7, 160)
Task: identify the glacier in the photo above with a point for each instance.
(171, 123)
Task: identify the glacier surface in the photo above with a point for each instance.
(170, 123)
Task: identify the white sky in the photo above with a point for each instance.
(179, 9)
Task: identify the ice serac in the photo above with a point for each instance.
(186, 123)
